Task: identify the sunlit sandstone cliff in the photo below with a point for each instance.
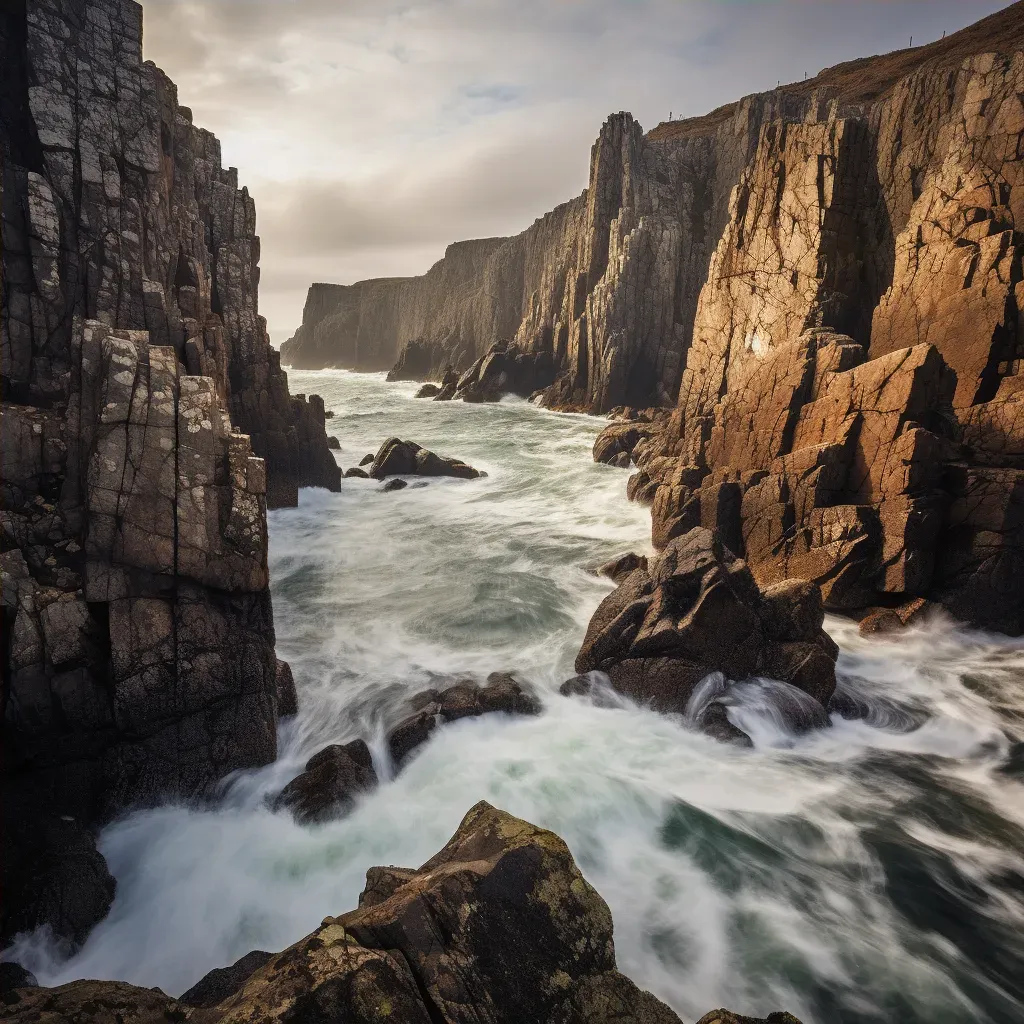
(824, 281)
(146, 426)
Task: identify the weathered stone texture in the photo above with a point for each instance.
(825, 281)
(499, 927)
(138, 379)
(116, 208)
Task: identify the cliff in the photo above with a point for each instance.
(824, 281)
(146, 427)
(480, 291)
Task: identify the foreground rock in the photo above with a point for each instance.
(52, 875)
(406, 458)
(499, 927)
(697, 610)
(223, 982)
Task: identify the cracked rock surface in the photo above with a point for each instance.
(822, 287)
(499, 926)
(146, 427)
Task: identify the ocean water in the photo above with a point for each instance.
(872, 871)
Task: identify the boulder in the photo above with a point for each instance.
(397, 457)
(615, 444)
(696, 610)
(366, 459)
(502, 370)
(222, 982)
(333, 443)
(355, 471)
(330, 783)
(428, 391)
(465, 699)
(449, 385)
(619, 568)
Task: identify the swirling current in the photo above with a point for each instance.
(863, 871)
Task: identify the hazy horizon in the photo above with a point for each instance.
(373, 133)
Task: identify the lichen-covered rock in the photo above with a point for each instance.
(695, 611)
(223, 982)
(499, 927)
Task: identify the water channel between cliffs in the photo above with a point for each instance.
(871, 872)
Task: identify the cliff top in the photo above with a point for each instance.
(867, 78)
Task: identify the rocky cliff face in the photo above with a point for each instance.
(146, 426)
(824, 281)
(480, 291)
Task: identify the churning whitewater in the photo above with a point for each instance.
(868, 872)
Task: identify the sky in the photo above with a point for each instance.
(374, 132)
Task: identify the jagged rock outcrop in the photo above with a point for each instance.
(696, 610)
(146, 426)
(330, 782)
(825, 282)
(499, 926)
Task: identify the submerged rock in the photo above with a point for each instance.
(465, 699)
(406, 458)
(697, 610)
(332, 779)
(395, 485)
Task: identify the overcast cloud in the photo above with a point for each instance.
(374, 132)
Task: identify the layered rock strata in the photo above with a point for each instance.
(146, 426)
(824, 283)
(499, 926)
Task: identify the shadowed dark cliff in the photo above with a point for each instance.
(146, 427)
